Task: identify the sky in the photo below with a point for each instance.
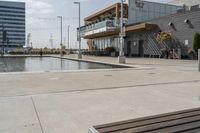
(42, 21)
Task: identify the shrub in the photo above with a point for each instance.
(196, 43)
(164, 36)
(110, 49)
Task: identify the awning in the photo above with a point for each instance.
(102, 34)
(140, 27)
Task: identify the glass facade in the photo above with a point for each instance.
(103, 26)
(141, 11)
(104, 42)
(12, 21)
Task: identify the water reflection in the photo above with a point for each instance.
(12, 64)
(19, 64)
(62, 64)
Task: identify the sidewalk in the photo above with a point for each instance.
(72, 102)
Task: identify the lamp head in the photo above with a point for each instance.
(187, 21)
(76, 2)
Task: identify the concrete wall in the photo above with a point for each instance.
(149, 10)
(181, 31)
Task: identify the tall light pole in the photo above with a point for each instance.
(122, 58)
(68, 36)
(79, 29)
(61, 30)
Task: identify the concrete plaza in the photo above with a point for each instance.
(71, 102)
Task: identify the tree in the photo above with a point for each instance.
(196, 43)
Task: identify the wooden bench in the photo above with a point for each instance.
(187, 121)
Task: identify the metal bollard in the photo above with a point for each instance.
(199, 59)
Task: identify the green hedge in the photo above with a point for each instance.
(196, 43)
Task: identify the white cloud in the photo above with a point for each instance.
(35, 7)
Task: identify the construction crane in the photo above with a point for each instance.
(51, 40)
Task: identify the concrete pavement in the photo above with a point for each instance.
(71, 102)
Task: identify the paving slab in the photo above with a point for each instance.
(75, 112)
(71, 102)
(31, 84)
(17, 115)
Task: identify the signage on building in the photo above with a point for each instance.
(186, 42)
(122, 34)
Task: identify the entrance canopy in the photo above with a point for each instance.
(102, 34)
(140, 27)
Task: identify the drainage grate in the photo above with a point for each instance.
(108, 75)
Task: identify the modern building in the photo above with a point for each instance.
(12, 25)
(180, 24)
(147, 21)
(101, 29)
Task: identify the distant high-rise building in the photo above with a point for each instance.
(29, 40)
(12, 23)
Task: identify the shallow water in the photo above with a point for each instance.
(26, 64)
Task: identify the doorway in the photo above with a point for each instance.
(129, 48)
(141, 48)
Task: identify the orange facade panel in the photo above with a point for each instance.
(132, 28)
(140, 27)
(109, 12)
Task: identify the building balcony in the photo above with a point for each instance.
(105, 26)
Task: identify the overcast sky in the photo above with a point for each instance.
(42, 21)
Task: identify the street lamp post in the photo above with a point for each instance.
(61, 36)
(79, 29)
(61, 30)
(68, 38)
(122, 58)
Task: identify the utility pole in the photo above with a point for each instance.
(122, 58)
(79, 30)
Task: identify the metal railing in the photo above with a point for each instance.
(102, 26)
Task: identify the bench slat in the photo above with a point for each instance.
(187, 121)
(148, 122)
(157, 126)
(146, 118)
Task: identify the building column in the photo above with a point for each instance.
(117, 12)
(199, 60)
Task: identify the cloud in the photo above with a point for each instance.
(35, 7)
